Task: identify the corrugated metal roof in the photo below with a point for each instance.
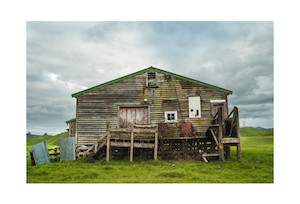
(152, 69)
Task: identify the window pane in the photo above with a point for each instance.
(169, 116)
(172, 117)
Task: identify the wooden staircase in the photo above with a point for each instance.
(222, 140)
(94, 150)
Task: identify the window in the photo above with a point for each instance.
(129, 116)
(151, 79)
(170, 116)
(194, 107)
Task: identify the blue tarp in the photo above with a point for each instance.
(67, 148)
(40, 153)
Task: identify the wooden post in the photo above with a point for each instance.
(131, 145)
(228, 151)
(55, 154)
(32, 158)
(76, 122)
(69, 129)
(108, 142)
(238, 147)
(96, 146)
(220, 134)
(156, 144)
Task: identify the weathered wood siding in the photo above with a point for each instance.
(72, 128)
(97, 108)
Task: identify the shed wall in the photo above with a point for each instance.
(97, 108)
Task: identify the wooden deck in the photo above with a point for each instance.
(146, 141)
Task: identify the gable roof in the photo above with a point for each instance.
(151, 69)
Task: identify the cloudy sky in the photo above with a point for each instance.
(67, 57)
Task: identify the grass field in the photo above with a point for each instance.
(256, 167)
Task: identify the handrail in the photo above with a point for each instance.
(230, 113)
(215, 115)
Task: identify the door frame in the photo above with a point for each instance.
(219, 102)
(133, 106)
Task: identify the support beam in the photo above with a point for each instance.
(108, 142)
(156, 144)
(228, 152)
(214, 136)
(96, 146)
(131, 146)
(239, 151)
(220, 134)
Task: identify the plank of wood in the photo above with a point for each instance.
(210, 154)
(90, 148)
(156, 146)
(131, 146)
(108, 143)
(96, 146)
(239, 152)
(144, 131)
(204, 159)
(237, 122)
(230, 141)
(135, 145)
(145, 126)
(220, 134)
(120, 130)
(214, 136)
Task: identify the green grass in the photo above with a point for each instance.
(248, 131)
(256, 167)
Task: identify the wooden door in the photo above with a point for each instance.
(129, 116)
(215, 105)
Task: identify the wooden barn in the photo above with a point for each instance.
(154, 113)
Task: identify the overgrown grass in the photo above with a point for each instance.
(248, 131)
(256, 167)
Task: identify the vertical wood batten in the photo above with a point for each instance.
(239, 151)
(156, 144)
(76, 134)
(108, 143)
(131, 145)
(220, 134)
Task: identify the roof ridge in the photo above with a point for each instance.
(151, 69)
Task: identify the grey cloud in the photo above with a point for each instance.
(233, 55)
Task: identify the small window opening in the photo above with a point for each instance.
(170, 116)
(151, 79)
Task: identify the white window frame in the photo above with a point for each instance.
(192, 106)
(175, 116)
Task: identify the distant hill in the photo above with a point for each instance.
(250, 131)
(51, 140)
(260, 128)
(33, 137)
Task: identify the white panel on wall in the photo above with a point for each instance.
(194, 107)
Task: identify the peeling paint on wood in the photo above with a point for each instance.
(108, 104)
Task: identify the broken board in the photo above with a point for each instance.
(40, 153)
(67, 148)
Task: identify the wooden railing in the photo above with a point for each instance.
(228, 132)
(53, 153)
(132, 131)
